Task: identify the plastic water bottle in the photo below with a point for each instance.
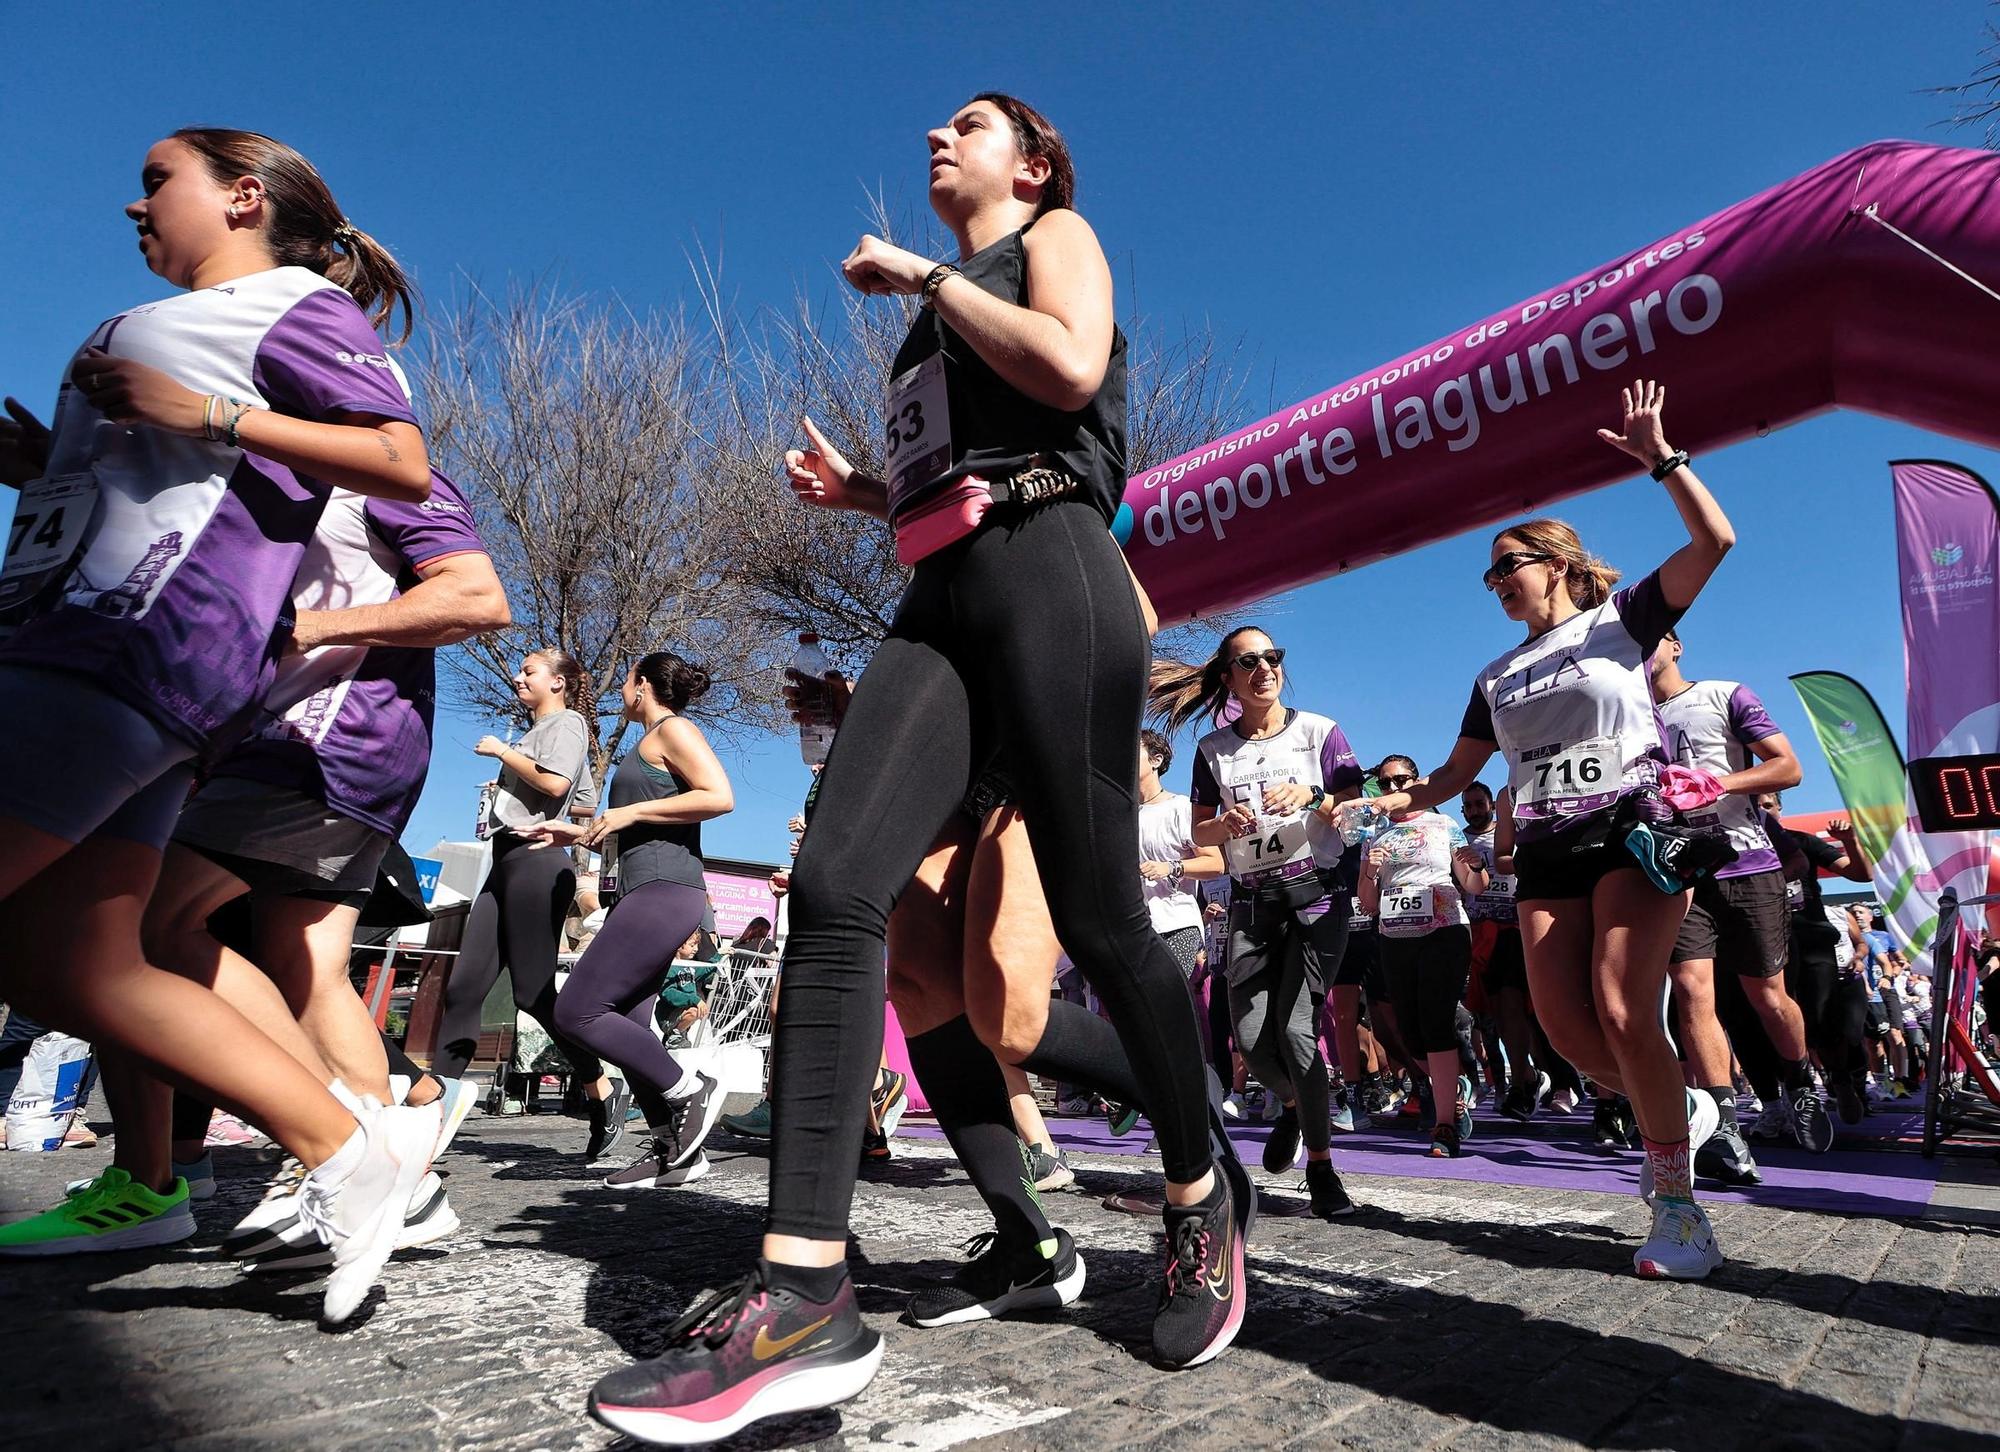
(815, 724)
(1362, 829)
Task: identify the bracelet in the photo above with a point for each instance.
(937, 278)
(1176, 873)
(235, 419)
(208, 402)
(1678, 459)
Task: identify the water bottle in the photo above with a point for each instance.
(815, 725)
(1362, 829)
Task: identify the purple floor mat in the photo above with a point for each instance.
(1554, 1153)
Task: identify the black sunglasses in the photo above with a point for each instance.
(1397, 782)
(1501, 568)
(1247, 661)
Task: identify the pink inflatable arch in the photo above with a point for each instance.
(1848, 287)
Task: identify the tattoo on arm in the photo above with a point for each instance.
(389, 448)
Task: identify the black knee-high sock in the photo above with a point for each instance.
(961, 1079)
(1080, 1048)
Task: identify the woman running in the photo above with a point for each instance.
(516, 920)
(1018, 639)
(1571, 711)
(665, 787)
(1265, 787)
(1415, 878)
(160, 526)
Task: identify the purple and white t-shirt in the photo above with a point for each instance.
(1711, 725)
(1229, 771)
(1419, 892)
(187, 564)
(1573, 714)
(352, 724)
(1496, 904)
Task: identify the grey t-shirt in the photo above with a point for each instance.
(557, 742)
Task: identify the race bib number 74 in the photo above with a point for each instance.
(1275, 843)
(48, 526)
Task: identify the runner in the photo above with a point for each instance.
(516, 920)
(168, 515)
(1737, 919)
(1570, 710)
(1415, 878)
(665, 787)
(1496, 952)
(993, 395)
(1264, 789)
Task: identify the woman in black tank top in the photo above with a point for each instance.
(1019, 643)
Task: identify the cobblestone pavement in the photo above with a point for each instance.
(1445, 1315)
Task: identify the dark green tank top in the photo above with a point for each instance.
(653, 851)
(996, 430)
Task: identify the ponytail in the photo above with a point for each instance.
(1589, 579)
(305, 226)
(1177, 693)
(675, 681)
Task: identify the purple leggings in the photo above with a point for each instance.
(607, 1005)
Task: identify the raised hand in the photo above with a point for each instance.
(1644, 438)
(882, 269)
(24, 445)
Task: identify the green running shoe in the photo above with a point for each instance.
(753, 1123)
(111, 1213)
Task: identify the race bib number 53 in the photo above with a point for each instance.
(917, 429)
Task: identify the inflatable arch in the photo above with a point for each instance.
(1852, 286)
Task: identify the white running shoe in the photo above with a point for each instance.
(1773, 1124)
(428, 1220)
(1563, 1101)
(1273, 1107)
(274, 1220)
(360, 1216)
(456, 1103)
(1703, 1117)
(1234, 1107)
(1682, 1246)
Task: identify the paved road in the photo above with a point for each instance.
(1447, 1315)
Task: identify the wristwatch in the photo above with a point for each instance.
(1317, 800)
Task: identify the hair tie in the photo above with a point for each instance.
(344, 232)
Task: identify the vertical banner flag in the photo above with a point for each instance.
(1868, 769)
(1948, 549)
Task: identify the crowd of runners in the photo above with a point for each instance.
(232, 564)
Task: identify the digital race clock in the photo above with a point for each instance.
(1957, 793)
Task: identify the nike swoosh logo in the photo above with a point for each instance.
(1219, 1284)
(764, 1347)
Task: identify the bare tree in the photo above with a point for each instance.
(1976, 102)
(582, 434)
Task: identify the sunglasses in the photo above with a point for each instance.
(1247, 661)
(1397, 782)
(1508, 563)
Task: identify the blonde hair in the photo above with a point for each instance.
(1590, 579)
(568, 667)
(1178, 692)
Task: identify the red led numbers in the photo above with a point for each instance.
(1957, 793)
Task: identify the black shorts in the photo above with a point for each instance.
(1740, 923)
(1568, 865)
(1506, 964)
(1361, 963)
(1878, 1021)
(1892, 1008)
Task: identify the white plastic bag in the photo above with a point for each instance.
(50, 1088)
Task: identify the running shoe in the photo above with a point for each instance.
(998, 1279)
(428, 1219)
(1773, 1125)
(739, 1355)
(274, 1220)
(1203, 1297)
(1446, 1143)
(1520, 1103)
(1121, 1118)
(659, 1167)
(694, 1115)
(1726, 1158)
(1270, 1106)
(111, 1212)
(1806, 1117)
(1328, 1195)
(199, 1174)
(1374, 1095)
(875, 1148)
(455, 1104)
(1672, 859)
(1076, 1104)
(79, 1135)
(1234, 1107)
(1462, 1121)
(1682, 1246)
(1751, 1104)
(1341, 1118)
(753, 1123)
(227, 1129)
(1282, 1151)
(1563, 1101)
(360, 1215)
(1847, 1098)
(888, 1100)
(1050, 1167)
(607, 1121)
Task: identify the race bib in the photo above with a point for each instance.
(1359, 919)
(1277, 843)
(1795, 895)
(42, 540)
(917, 430)
(1411, 909)
(1499, 891)
(1578, 779)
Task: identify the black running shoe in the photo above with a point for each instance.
(875, 1147)
(1122, 1118)
(1605, 1126)
(1847, 1097)
(1329, 1196)
(1281, 1150)
(1520, 1103)
(1203, 1297)
(999, 1279)
(1725, 1157)
(739, 1355)
(607, 1121)
(658, 1168)
(1811, 1125)
(1445, 1143)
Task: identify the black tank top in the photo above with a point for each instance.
(653, 851)
(996, 430)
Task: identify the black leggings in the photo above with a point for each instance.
(607, 1005)
(1025, 639)
(515, 923)
(1427, 978)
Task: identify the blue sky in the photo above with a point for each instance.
(1327, 186)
